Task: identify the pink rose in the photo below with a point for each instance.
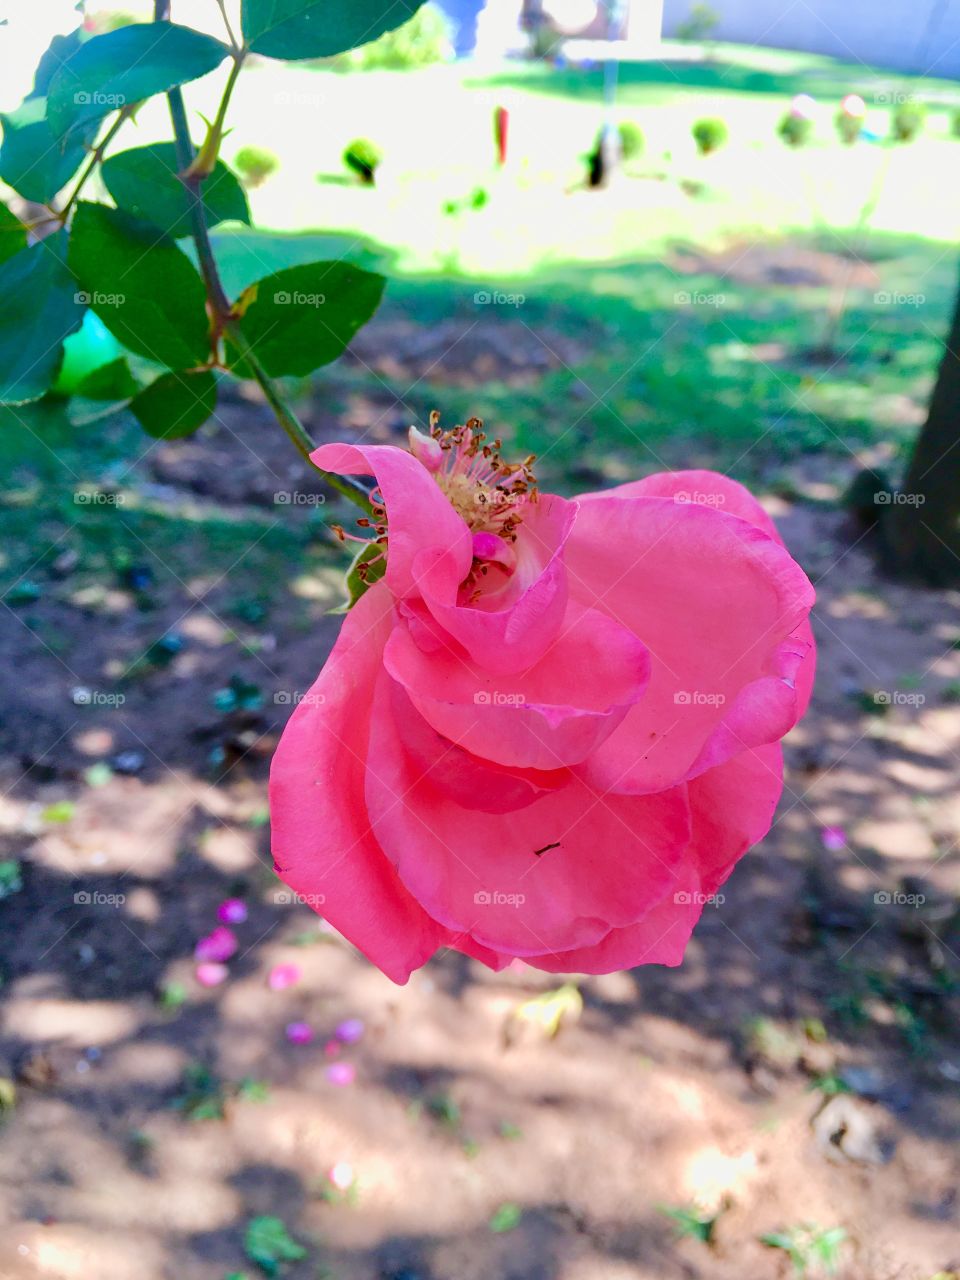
(552, 728)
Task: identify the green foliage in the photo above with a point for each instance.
(808, 1247)
(40, 308)
(123, 67)
(709, 134)
(269, 1244)
(692, 1221)
(176, 404)
(144, 182)
(368, 566)
(796, 131)
(145, 290)
(11, 878)
(419, 42)
(13, 234)
(848, 127)
(955, 122)
(292, 29)
(255, 164)
(699, 24)
(303, 317)
(631, 139)
(506, 1218)
(908, 121)
(363, 157)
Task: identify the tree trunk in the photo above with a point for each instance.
(921, 530)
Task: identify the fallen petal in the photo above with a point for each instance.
(219, 945)
(282, 976)
(211, 974)
(299, 1032)
(341, 1073)
(232, 911)
(350, 1030)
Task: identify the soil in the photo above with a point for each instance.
(820, 979)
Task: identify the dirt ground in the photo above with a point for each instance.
(801, 1067)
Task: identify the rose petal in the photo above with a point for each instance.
(282, 976)
(211, 974)
(218, 945)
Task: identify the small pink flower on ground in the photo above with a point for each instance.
(833, 838)
(350, 1030)
(282, 976)
(218, 946)
(341, 1073)
(299, 1032)
(341, 1175)
(232, 911)
(211, 973)
(332, 1048)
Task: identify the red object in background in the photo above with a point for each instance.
(501, 118)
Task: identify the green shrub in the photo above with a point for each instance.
(422, 41)
(631, 139)
(362, 157)
(709, 134)
(849, 127)
(796, 131)
(255, 165)
(908, 121)
(955, 122)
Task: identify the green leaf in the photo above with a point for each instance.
(356, 583)
(13, 234)
(176, 404)
(145, 290)
(268, 1243)
(112, 381)
(293, 29)
(124, 67)
(304, 317)
(40, 308)
(33, 161)
(505, 1218)
(61, 49)
(144, 181)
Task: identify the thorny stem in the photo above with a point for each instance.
(95, 158)
(224, 320)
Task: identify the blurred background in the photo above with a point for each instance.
(631, 238)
